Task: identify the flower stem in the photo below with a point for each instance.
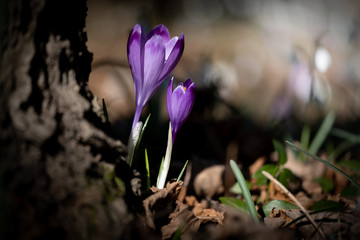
(165, 168)
(136, 117)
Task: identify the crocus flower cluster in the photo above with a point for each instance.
(151, 58)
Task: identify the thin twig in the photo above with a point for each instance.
(292, 197)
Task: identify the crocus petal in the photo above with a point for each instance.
(176, 106)
(169, 46)
(160, 30)
(135, 52)
(174, 57)
(187, 101)
(169, 98)
(187, 83)
(154, 56)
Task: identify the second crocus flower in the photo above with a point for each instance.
(179, 105)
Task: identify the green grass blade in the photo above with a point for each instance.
(182, 171)
(142, 132)
(305, 136)
(352, 165)
(305, 140)
(325, 162)
(339, 150)
(135, 144)
(245, 190)
(105, 110)
(350, 140)
(235, 203)
(346, 135)
(177, 234)
(145, 124)
(322, 133)
(260, 178)
(147, 170)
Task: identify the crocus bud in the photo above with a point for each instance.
(179, 104)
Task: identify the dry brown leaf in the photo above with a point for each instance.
(281, 214)
(276, 193)
(340, 224)
(191, 201)
(190, 220)
(253, 168)
(305, 200)
(340, 182)
(182, 218)
(311, 187)
(310, 169)
(209, 211)
(209, 182)
(160, 200)
(276, 219)
(238, 225)
(263, 195)
(208, 215)
(350, 203)
(274, 223)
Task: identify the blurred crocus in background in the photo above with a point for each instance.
(300, 82)
(179, 105)
(245, 47)
(151, 59)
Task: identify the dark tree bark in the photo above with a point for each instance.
(57, 159)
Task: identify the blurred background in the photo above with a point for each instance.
(262, 70)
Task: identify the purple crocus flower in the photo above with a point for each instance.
(151, 58)
(179, 104)
(300, 82)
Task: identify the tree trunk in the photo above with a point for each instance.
(57, 159)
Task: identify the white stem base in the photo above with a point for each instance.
(166, 165)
